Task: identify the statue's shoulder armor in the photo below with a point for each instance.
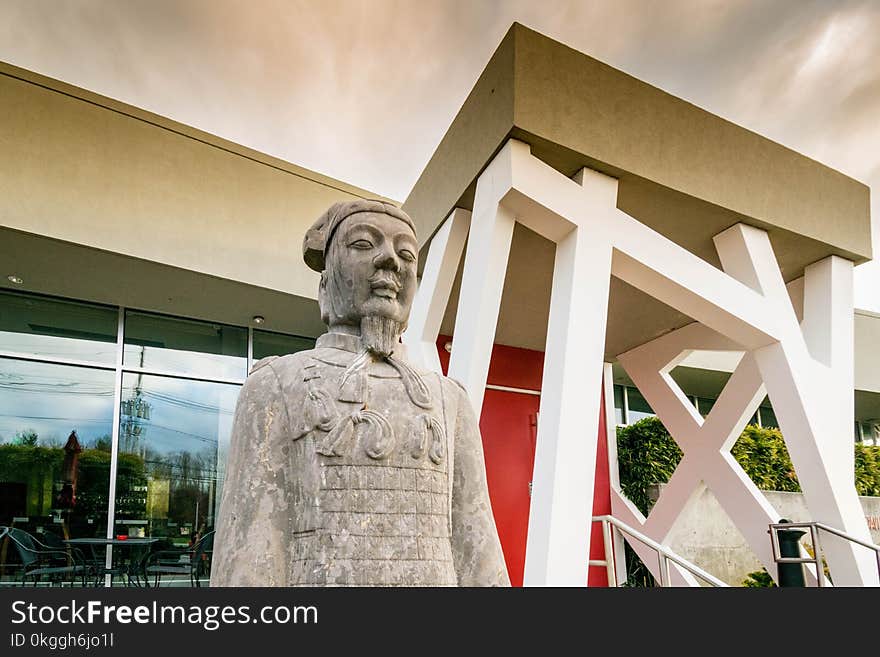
(453, 388)
(294, 371)
(456, 382)
(285, 366)
(289, 371)
(262, 363)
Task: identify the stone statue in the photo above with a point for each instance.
(348, 466)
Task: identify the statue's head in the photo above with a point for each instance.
(367, 254)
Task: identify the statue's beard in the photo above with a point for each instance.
(380, 335)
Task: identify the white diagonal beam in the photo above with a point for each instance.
(704, 442)
(684, 483)
(431, 300)
(625, 511)
(806, 392)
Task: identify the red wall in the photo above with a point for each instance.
(508, 424)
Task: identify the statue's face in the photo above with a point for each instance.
(370, 270)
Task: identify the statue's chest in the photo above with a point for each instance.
(382, 489)
(374, 422)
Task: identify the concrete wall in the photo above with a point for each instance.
(706, 536)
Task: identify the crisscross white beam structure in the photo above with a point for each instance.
(806, 368)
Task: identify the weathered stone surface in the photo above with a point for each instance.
(348, 467)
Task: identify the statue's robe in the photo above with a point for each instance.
(372, 479)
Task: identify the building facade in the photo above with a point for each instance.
(147, 265)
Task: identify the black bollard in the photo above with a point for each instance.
(790, 574)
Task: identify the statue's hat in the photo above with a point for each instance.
(319, 235)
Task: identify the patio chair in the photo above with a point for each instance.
(193, 562)
(39, 560)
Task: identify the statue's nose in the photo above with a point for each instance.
(387, 259)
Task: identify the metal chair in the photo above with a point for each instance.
(39, 560)
(194, 562)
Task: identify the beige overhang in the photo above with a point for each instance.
(683, 171)
(107, 202)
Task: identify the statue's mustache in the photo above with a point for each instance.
(385, 279)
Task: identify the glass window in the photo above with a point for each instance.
(768, 417)
(279, 344)
(39, 326)
(173, 441)
(618, 404)
(185, 346)
(704, 405)
(870, 432)
(638, 406)
(55, 440)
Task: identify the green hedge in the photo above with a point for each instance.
(648, 455)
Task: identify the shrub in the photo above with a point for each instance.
(648, 455)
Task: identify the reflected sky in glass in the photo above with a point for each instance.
(175, 433)
(38, 326)
(267, 343)
(184, 346)
(176, 414)
(53, 400)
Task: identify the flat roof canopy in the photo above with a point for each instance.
(682, 171)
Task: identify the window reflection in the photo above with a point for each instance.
(267, 343)
(38, 326)
(56, 424)
(638, 406)
(768, 417)
(55, 439)
(185, 346)
(705, 405)
(173, 440)
(618, 405)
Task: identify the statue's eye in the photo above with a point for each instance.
(361, 244)
(407, 255)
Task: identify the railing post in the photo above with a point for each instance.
(817, 553)
(609, 553)
(791, 574)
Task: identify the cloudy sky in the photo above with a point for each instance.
(363, 90)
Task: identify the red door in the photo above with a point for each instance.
(508, 424)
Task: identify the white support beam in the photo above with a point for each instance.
(808, 375)
(565, 455)
(431, 300)
(806, 367)
(485, 267)
(619, 553)
(828, 330)
(680, 279)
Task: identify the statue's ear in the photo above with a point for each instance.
(323, 301)
(322, 288)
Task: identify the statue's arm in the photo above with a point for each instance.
(477, 553)
(252, 525)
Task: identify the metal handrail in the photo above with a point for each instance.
(664, 554)
(818, 553)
